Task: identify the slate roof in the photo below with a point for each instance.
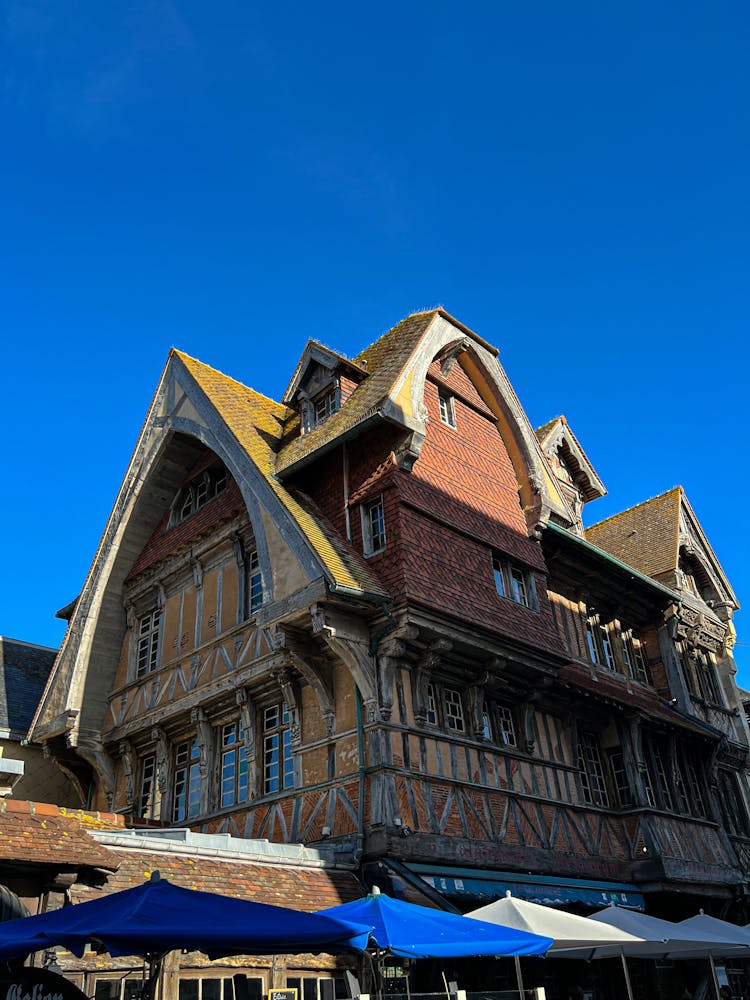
(257, 424)
(645, 536)
(43, 834)
(24, 669)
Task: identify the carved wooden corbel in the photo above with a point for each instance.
(526, 713)
(249, 736)
(407, 453)
(422, 677)
(475, 709)
(162, 759)
(197, 567)
(290, 694)
(128, 760)
(387, 665)
(450, 355)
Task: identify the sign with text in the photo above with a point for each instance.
(38, 984)
(278, 994)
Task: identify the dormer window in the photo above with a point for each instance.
(325, 406)
(197, 493)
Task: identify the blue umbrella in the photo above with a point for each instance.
(412, 931)
(158, 917)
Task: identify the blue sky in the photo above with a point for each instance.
(568, 179)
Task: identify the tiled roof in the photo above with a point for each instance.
(24, 669)
(543, 432)
(645, 536)
(294, 886)
(257, 424)
(37, 833)
(384, 360)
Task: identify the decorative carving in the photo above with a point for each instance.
(197, 567)
(290, 694)
(247, 723)
(450, 355)
(475, 708)
(162, 759)
(127, 757)
(527, 725)
(204, 738)
(422, 675)
(387, 665)
(407, 453)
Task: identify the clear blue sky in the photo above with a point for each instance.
(569, 179)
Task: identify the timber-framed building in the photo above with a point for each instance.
(369, 614)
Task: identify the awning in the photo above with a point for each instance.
(472, 886)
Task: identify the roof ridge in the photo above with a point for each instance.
(261, 395)
(635, 506)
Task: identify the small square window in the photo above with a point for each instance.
(447, 404)
(514, 582)
(373, 527)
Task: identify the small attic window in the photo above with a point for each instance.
(197, 493)
(317, 409)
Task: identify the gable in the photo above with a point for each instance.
(194, 409)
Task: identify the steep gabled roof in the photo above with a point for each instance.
(316, 352)
(557, 434)
(646, 536)
(257, 424)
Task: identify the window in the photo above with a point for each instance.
(445, 708)
(513, 581)
(659, 781)
(447, 405)
(695, 785)
(591, 771)
(149, 796)
(505, 726)
(278, 758)
(324, 406)
(599, 642)
(633, 656)
(149, 644)
(217, 988)
(197, 493)
(234, 772)
(733, 808)
(620, 778)
(254, 582)
(373, 526)
(186, 783)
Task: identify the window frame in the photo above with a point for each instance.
(514, 582)
(148, 642)
(286, 777)
(149, 794)
(447, 408)
(239, 775)
(441, 701)
(187, 777)
(591, 770)
(198, 492)
(373, 541)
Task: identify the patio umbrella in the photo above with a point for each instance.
(412, 931)
(157, 917)
(662, 938)
(566, 929)
(730, 935)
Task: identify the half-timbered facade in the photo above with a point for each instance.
(370, 614)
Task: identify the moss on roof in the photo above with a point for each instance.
(383, 361)
(645, 536)
(257, 424)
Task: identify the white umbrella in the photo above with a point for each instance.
(568, 930)
(733, 939)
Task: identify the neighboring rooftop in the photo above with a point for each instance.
(645, 536)
(24, 669)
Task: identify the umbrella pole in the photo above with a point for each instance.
(626, 971)
(717, 988)
(519, 978)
